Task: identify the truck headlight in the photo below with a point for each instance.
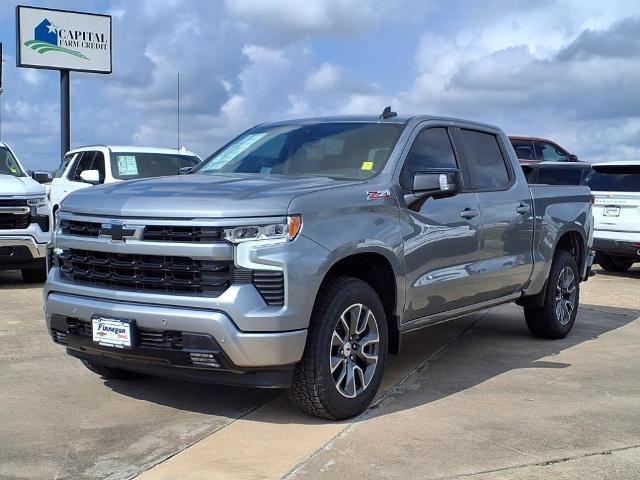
(273, 231)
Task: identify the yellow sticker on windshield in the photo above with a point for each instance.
(367, 166)
(14, 170)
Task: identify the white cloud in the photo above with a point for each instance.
(324, 78)
(341, 17)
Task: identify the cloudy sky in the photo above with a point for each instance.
(566, 70)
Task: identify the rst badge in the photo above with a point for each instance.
(378, 195)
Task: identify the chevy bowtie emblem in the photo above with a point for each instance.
(119, 231)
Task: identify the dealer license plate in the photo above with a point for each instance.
(611, 211)
(110, 332)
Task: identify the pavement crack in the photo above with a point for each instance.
(545, 463)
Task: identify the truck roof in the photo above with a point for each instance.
(399, 119)
(134, 149)
(619, 163)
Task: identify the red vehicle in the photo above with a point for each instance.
(534, 150)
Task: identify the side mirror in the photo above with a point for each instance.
(573, 158)
(41, 177)
(185, 170)
(436, 183)
(90, 176)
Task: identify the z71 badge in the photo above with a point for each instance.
(378, 195)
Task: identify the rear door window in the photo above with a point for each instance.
(484, 159)
(524, 149)
(132, 165)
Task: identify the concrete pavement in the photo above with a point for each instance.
(473, 397)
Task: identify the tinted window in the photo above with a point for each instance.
(524, 149)
(8, 164)
(131, 165)
(341, 150)
(63, 166)
(561, 175)
(487, 169)
(614, 180)
(83, 161)
(549, 153)
(431, 149)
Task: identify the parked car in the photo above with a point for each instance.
(24, 218)
(298, 254)
(616, 188)
(97, 164)
(556, 173)
(533, 149)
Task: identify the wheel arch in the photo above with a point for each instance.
(380, 270)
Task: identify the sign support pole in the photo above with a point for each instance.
(65, 113)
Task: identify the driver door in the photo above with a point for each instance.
(441, 235)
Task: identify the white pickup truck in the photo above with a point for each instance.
(24, 218)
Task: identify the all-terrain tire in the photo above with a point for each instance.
(613, 264)
(313, 388)
(110, 373)
(547, 321)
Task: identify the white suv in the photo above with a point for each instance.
(24, 218)
(616, 188)
(98, 164)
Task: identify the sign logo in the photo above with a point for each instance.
(120, 232)
(45, 39)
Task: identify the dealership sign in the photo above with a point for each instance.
(63, 40)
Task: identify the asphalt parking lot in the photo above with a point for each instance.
(475, 397)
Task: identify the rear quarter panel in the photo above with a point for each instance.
(557, 210)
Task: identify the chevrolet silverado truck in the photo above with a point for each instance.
(24, 219)
(298, 255)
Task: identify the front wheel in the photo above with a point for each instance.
(557, 315)
(346, 351)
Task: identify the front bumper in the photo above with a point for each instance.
(239, 352)
(36, 250)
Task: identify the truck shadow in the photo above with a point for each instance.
(12, 280)
(497, 342)
(456, 356)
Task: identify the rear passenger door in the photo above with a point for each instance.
(506, 220)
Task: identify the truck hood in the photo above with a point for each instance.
(15, 186)
(197, 196)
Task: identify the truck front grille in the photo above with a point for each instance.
(152, 233)
(13, 221)
(10, 221)
(150, 273)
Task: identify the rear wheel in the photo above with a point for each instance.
(557, 315)
(346, 352)
(612, 263)
(110, 373)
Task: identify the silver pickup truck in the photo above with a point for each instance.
(298, 254)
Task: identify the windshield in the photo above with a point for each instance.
(9, 164)
(614, 179)
(132, 165)
(336, 150)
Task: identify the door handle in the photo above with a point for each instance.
(523, 208)
(469, 213)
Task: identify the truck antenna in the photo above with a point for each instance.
(387, 113)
